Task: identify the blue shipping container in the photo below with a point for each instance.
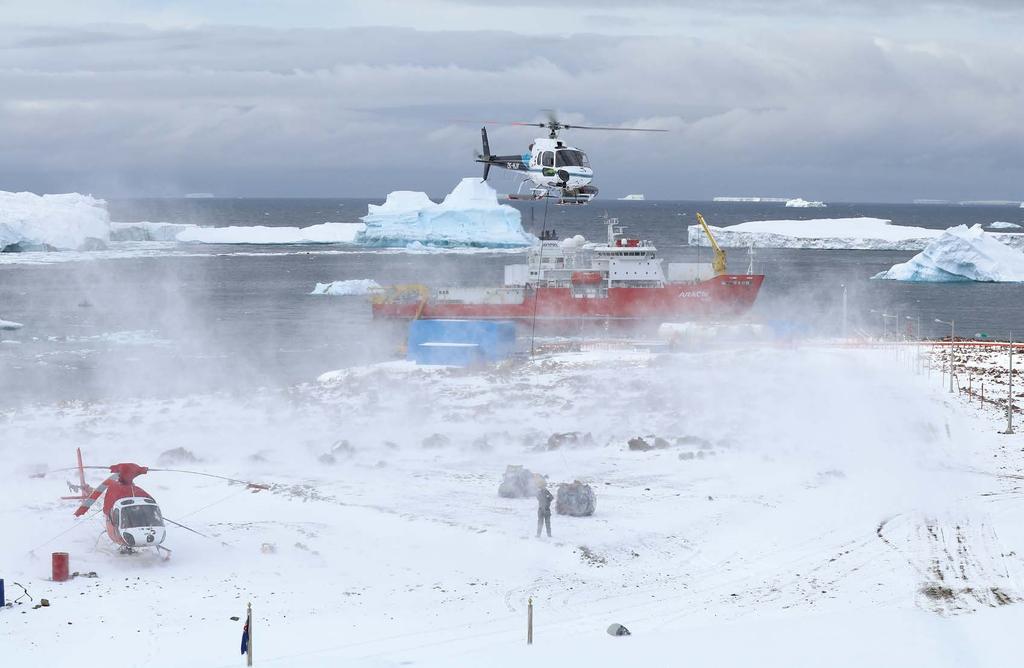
(460, 342)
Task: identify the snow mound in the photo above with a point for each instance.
(10, 325)
(799, 203)
(325, 233)
(1003, 225)
(359, 286)
(470, 215)
(147, 231)
(961, 254)
(65, 222)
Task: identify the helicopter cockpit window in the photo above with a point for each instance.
(547, 159)
(141, 516)
(569, 158)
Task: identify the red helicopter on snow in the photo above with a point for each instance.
(132, 515)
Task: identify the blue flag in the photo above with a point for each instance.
(245, 636)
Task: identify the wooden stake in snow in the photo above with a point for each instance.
(529, 622)
(248, 624)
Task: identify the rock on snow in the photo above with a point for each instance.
(66, 222)
(961, 254)
(469, 216)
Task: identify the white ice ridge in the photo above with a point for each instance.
(961, 254)
(325, 233)
(357, 286)
(66, 222)
(828, 234)
(799, 203)
(1003, 225)
(469, 216)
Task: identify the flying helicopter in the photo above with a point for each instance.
(133, 518)
(553, 168)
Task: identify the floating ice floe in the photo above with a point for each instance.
(469, 216)
(799, 203)
(10, 325)
(961, 254)
(829, 234)
(52, 222)
(325, 233)
(1003, 225)
(358, 286)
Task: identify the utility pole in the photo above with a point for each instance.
(844, 310)
(949, 350)
(1009, 395)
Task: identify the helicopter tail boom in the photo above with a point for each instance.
(513, 162)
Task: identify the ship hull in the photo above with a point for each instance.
(721, 296)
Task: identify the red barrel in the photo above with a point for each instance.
(60, 566)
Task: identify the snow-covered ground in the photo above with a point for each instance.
(470, 215)
(961, 254)
(829, 234)
(810, 505)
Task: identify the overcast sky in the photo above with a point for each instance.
(868, 101)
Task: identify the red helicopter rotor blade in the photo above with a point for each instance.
(92, 498)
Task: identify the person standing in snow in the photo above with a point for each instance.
(544, 499)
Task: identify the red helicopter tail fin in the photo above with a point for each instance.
(91, 499)
(83, 487)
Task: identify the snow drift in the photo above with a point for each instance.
(829, 234)
(358, 286)
(43, 222)
(469, 216)
(961, 254)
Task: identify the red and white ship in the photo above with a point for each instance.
(572, 280)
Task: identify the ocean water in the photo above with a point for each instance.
(186, 319)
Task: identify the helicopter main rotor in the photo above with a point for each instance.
(554, 126)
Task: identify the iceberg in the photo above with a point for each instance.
(146, 231)
(70, 221)
(799, 203)
(830, 234)
(961, 254)
(358, 286)
(469, 216)
(1003, 225)
(325, 233)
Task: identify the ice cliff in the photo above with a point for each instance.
(469, 216)
(52, 222)
(961, 254)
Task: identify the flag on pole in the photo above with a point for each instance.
(245, 635)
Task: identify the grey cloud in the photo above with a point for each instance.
(254, 111)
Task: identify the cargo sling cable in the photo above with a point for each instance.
(540, 264)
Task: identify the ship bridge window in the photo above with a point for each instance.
(547, 159)
(570, 158)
